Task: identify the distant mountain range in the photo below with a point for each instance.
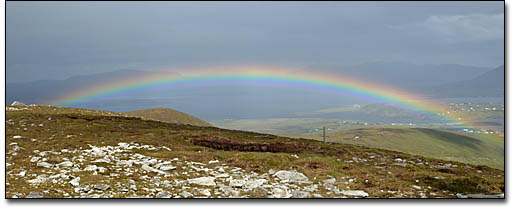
(489, 84)
(41, 91)
(447, 80)
(408, 76)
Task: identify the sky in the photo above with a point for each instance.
(57, 40)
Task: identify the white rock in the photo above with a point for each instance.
(75, 181)
(167, 168)
(38, 180)
(222, 175)
(34, 159)
(123, 145)
(205, 181)
(213, 161)
(66, 164)
(330, 181)
(354, 193)
(102, 160)
(291, 176)
(252, 184)
(280, 192)
(17, 137)
(237, 183)
(164, 194)
(205, 192)
(128, 163)
(300, 194)
(90, 168)
(151, 169)
(44, 164)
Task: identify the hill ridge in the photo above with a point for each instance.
(168, 115)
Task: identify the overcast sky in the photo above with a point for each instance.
(56, 40)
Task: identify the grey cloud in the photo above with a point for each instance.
(60, 39)
(457, 28)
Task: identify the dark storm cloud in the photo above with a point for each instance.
(54, 40)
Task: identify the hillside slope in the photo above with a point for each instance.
(480, 149)
(65, 153)
(168, 115)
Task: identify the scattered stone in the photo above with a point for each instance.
(75, 181)
(205, 192)
(91, 168)
(204, 181)
(480, 195)
(39, 179)
(330, 181)
(167, 168)
(291, 176)
(151, 169)
(399, 164)
(44, 164)
(281, 192)
(238, 183)
(65, 164)
(223, 175)
(102, 160)
(164, 194)
(127, 163)
(17, 137)
(34, 159)
(300, 194)
(354, 193)
(186, 194)
(35, 195)
(101, 187)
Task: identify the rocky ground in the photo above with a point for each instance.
(48, 161)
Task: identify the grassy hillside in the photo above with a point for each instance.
(61, 153)
(168, 115)
(480, 149)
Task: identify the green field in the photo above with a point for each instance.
(481, 149)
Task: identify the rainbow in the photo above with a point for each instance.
(262, 76)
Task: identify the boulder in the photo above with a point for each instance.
(330, 181)
(281, 192)
(163, 194)
(101, 187)
(65, 164)
(354, 193)
(167, 168)
(238, 183)
(204, 181)
(300, 194)
(91, 168)
(44, 164)
(35, 194)
(39, 179)
(291, 176)
(75, 181)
